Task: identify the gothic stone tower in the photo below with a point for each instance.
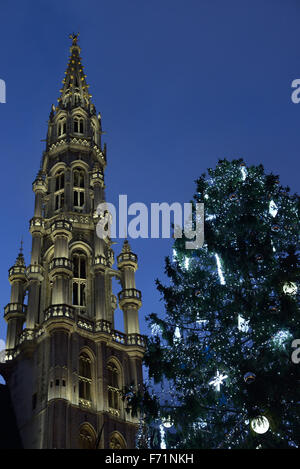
(65, 363)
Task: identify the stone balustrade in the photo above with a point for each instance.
(55, 311)
(130, 293)
(15, 309)
(61, 264)
(127, 256)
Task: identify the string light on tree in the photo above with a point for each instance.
(162, 437)
(155, 329)
(220, 272)
(281, 337)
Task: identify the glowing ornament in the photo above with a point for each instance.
(218, 380)
(275, 228)
(259, 258)
(260, 424)
(249, 377)
(290, 288)
(198, 293)
(233, 197)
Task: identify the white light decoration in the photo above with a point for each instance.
(290, 288)
(220, 272)
(174, 255)
(243, 324)
(281, 337)
(155, 330)
(186, 263)
(260, 424)
(167, 422)
(211, 217)
(218, 380)
(244, 172)
(177, 334)
(273, 209)
(162, 437)
(201, 322)
(199, 424)
(205, 196)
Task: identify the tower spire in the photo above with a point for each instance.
(75, 90)
(20, 259)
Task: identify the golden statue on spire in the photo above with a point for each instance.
(74, 38)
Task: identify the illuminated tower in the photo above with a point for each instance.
(65, 363)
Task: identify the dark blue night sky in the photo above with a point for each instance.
(179, 84)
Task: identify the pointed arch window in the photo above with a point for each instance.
(62, 127)
(116, 441)
(78, 125)
(76, 99)
(85, 379)
(78, 188)
(87, 437)
(79, 281)
(113, 387)
(59, 194)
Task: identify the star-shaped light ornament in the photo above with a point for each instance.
(218, 380)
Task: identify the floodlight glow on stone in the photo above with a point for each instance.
(218, 380)
(260, 424)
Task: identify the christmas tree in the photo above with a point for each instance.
(224, 346)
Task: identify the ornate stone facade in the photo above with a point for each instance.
(65, 363)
